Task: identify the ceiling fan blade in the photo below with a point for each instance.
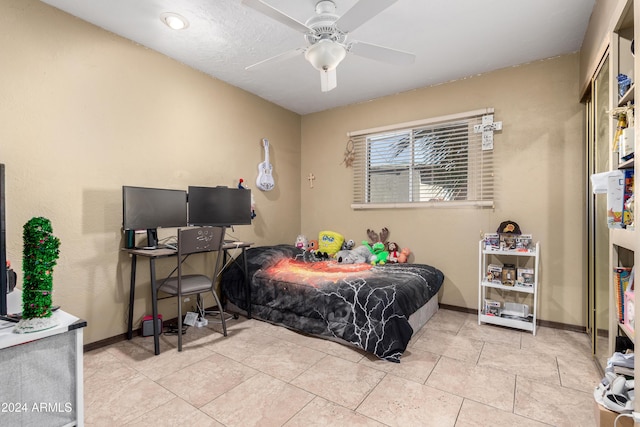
(328, 80)
(274, 13)
(381, 53)
(280, 57)
(361, 12)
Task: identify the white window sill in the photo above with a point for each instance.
(433, 204)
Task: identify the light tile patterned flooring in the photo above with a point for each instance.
(454, 373)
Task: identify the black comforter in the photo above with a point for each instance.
(366, 306)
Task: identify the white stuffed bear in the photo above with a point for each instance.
(361, 254)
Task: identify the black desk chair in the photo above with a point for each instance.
(192, 241)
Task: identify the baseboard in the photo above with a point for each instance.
(122, 337)
(545, 323)
(107, 341)
(460, 309)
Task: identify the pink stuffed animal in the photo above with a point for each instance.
(404, 255)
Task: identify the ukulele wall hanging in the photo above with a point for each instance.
(265, 178)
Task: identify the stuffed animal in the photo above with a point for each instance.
(378, 251)
(330, 242)
(375, 237)
(392, 248)
(302, 242)
(404, 255)
(342, 255)
(314, 256)
(348, 245)
(316, 252)
(358, 255)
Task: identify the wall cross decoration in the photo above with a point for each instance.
(311, 177)
(487, 127)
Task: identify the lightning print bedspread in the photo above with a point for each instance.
(364, 305)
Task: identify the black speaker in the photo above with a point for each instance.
(12, 278)
(129, 239)
(147, 325)
(152, 237)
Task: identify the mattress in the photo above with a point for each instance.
(375, 308)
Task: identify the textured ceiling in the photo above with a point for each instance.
(451, 40)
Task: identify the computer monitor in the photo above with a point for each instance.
(152, 208)
(219, 206)
(3, 248)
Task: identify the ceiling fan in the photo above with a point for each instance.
(326, 34)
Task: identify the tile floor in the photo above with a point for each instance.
(455, 373)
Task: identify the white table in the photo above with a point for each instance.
(41, 372)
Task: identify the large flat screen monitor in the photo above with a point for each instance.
(219, 206)
(3, 248)
(152, 208)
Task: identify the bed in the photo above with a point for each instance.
(375, 308)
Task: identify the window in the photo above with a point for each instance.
(436, 162)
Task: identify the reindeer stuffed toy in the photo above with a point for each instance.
(375, 237)
(378, 245)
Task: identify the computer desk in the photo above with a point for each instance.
(152, 255)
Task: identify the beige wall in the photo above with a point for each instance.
(84, 112)
(539, 176)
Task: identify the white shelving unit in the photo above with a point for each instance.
(622, 254)
(624, 249)
(506, 293)
(623, 244)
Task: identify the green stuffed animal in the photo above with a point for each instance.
(378, 250)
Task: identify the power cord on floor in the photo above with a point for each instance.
(173, 329)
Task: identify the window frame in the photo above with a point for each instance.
(480, 169)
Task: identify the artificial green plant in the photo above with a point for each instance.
(40, 255)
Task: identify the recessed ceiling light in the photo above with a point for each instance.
(174, 21)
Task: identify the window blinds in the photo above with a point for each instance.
(436, 162)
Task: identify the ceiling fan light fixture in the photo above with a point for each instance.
(174, 21)
(325, 55)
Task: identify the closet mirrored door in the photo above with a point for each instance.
(598, 124)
